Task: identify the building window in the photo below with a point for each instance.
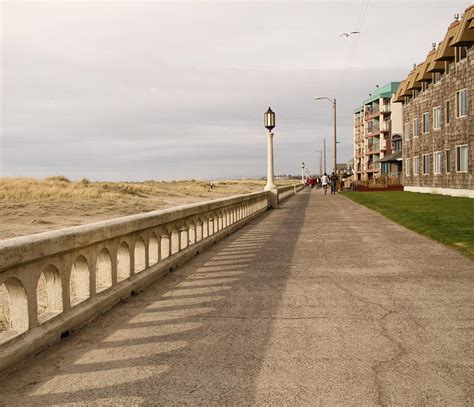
(407, 167)
(397, 145)
(461, 103)
(436, 77)
(416, 165)
(447, 112)
(416, 127)
(461, 158)
(448, 161)
(460, 53)
(426, 122)
(437, 117)
(437, 162)
(446, 67)
(426, 164)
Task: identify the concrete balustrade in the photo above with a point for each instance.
(57, 281)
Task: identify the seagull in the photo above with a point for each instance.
(348, 34)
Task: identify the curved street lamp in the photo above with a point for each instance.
(333, 101)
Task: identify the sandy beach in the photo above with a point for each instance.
(29, 206)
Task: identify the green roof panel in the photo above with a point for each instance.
(385, 91)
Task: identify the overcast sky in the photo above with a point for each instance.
(170, 90)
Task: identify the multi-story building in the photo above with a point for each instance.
(373, 129)
(438, 136)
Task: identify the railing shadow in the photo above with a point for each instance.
(197, 336)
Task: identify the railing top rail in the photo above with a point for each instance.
(28, 248)
(287, 187)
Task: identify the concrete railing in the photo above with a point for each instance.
(287, 191)
(56, 281)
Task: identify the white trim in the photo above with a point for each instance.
(466, 193)
(437, 153)
(467, 159)
(436, 112)
(423, 164)
(448, 168)
(424, 122)
(416, 168)
(447, 112)
(457, 104)
(417, 120)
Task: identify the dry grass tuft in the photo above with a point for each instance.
(61, 188)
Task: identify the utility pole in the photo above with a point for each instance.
(335, 138)
(325, 156)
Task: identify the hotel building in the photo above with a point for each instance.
(438, 123)
(377, 134)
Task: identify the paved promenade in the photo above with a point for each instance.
(321, 302)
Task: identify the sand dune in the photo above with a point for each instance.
(29, 206)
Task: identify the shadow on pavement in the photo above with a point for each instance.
(198, 336)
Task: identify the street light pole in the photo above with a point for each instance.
(334, 106)
(325, 156)
(335, 138)
(302, 172)
(269, 121)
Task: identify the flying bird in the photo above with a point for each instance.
(348, 34)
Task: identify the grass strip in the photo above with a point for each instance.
(446, 219)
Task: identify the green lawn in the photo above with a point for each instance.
(446, 219)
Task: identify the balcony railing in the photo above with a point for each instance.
(385, 126)
(385, 108)
(373, 128)
(372, 110)
(373, 167)
(373, 146)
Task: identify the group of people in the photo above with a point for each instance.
(323, 182)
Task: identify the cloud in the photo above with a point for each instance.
(169, 90)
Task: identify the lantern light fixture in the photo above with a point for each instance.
(269, 119)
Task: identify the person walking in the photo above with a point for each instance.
(333, 183)
(325, 182)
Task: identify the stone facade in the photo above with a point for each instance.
(433, 158)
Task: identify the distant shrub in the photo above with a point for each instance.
(58, 178)
(84, 181)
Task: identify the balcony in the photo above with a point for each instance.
(385, 108)
(371, 147)
(386, 126)
(371, 112)
(373, 127)
(373, 167)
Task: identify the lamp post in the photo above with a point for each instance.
(302, 172)
(333, 101)
(269, 122)
(324, 155)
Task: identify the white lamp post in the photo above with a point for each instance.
(269, 122)
(302, 172)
